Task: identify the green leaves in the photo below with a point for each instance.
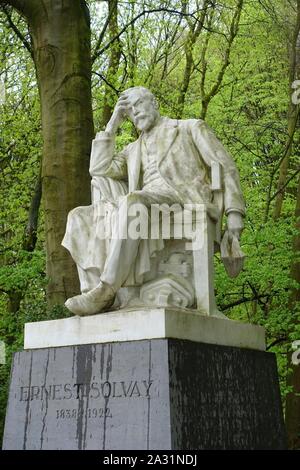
(24, 270)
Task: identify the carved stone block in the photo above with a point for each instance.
(167, 291)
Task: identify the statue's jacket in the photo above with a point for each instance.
(186, 148)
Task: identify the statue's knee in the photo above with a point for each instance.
(77, 211)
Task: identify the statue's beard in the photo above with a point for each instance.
(143, 122)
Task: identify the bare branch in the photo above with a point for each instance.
(17, 31)
(101, 36)
(30, 235)
(23, 6)
(137, 17)
(282, 339)
(243, 300)
(234, 27)
(107, 82)
(285, 184)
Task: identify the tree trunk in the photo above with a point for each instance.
(60, 34)
(192, 37)
(30, 233)
(293, 379)
(234, 28)
(292, 116)
(292, 414)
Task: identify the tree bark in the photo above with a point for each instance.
(193, 34)
(30, 233)
(61, 43)
(292, 116)
(293, 378)
(60, 32)
(234, 28)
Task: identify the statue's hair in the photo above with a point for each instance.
(141, 91)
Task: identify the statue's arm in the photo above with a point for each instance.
(104, 161)
(212, 150)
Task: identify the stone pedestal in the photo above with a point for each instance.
(144, 394)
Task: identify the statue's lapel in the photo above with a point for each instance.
(134, 166)
(166, 136)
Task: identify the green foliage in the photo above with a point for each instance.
(23, 271)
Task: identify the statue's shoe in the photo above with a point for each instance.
(93, 301)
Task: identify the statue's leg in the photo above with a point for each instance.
(121, 256)
(123, 251)
(82, 224)
(88, 278)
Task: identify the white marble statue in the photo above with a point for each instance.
(172, 161)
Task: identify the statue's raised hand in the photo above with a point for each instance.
(119, 114)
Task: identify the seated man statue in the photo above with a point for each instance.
(171, 162)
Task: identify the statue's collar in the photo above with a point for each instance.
(162, 123)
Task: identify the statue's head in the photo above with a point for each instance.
(143, 107)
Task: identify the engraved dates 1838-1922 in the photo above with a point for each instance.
(90, 413)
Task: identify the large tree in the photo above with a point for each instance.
(60, 38)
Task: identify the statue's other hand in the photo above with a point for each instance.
(235, 225)
(118, 115)
(236, 233)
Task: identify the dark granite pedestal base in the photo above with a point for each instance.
(152, 394)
